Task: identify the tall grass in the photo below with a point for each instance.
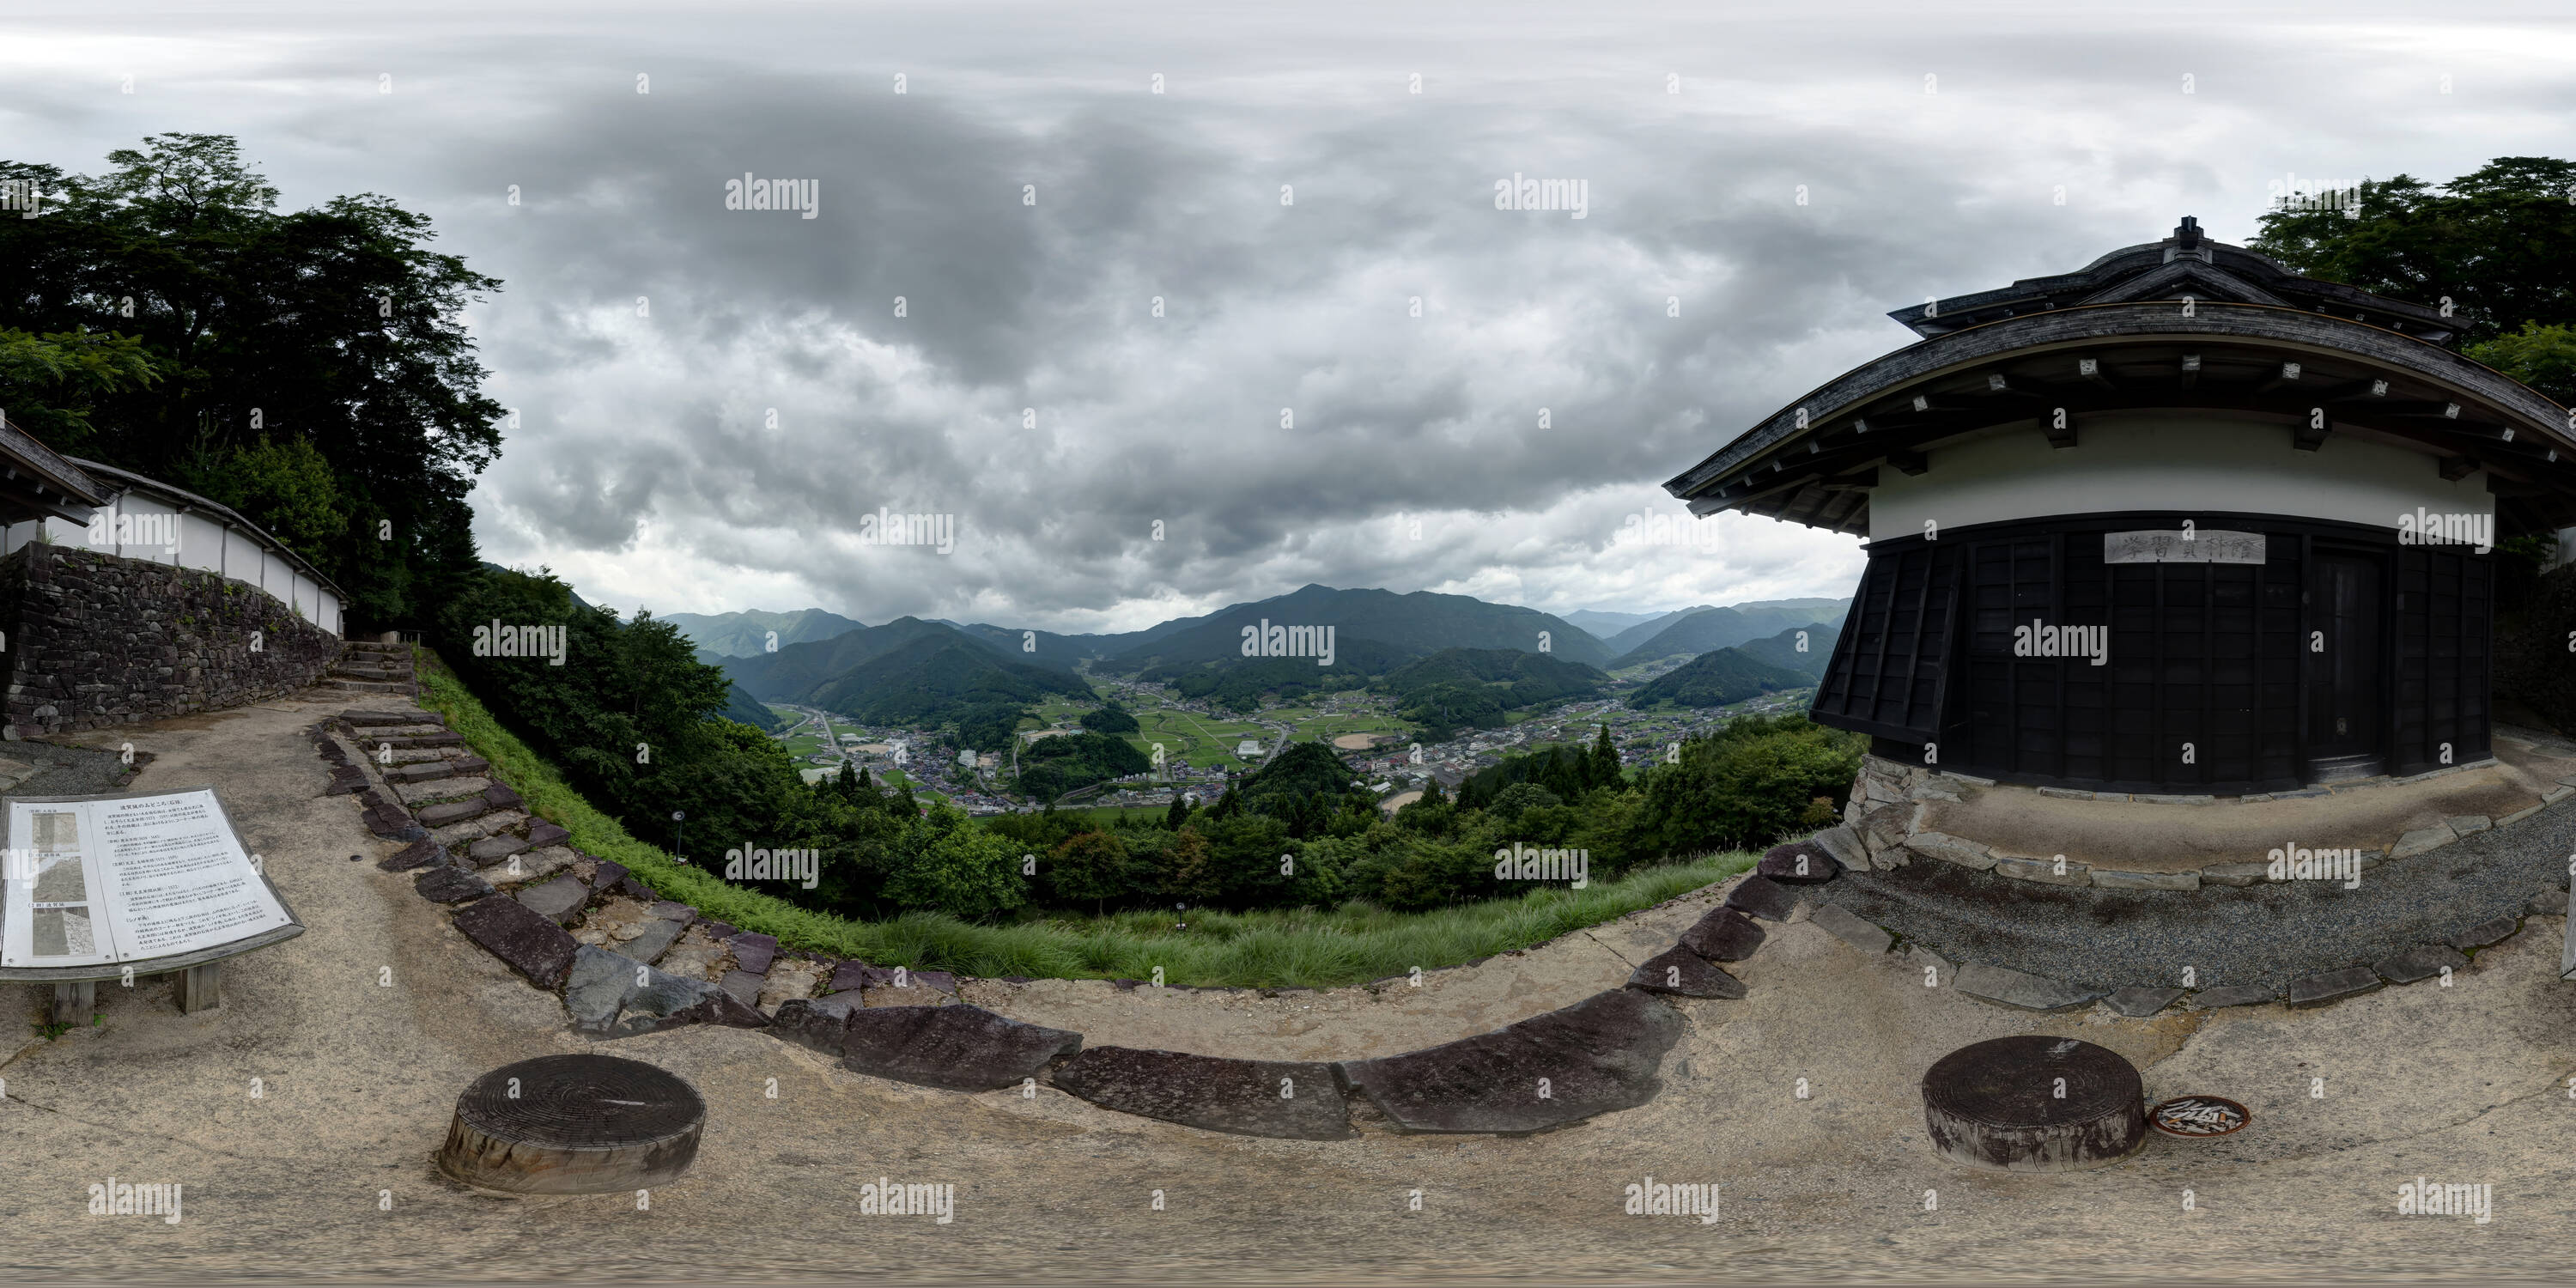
(1352, 944)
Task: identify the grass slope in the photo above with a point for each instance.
(1352, 944)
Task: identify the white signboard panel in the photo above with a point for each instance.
(114, 879)
(2170, 545)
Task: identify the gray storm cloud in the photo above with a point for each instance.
(712, 447)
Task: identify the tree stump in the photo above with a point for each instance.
(2034, 1104)
(573, 1124)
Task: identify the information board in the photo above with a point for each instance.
(111, 880)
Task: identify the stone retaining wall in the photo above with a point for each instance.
(1883, 830)
(95, 640)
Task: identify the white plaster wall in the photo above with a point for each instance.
(201, 543)
(2153, 461)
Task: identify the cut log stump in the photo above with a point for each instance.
(574, 1124)
(2034, 1104)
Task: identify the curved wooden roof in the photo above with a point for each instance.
(1814, 461)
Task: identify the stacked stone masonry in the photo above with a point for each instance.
(96, 640)
(1884, 829)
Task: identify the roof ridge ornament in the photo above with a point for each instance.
(2186, 243)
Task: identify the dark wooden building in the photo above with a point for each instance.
(2182, 521)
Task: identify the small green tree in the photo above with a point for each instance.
(947, 864)
(1091, 866)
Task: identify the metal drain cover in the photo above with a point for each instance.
(2199, 1116)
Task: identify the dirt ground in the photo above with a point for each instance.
(326, 1174)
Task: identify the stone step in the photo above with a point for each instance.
(400, 742)
(364, 686)
(433, 770)
(454, 812)
(363, 719)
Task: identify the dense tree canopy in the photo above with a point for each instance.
(2498, 244)
(307, 368)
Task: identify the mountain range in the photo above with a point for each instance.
(925, 672)
(746, 633)
(1705, 630)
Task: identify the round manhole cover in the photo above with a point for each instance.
(2199, 1116)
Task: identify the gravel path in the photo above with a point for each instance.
(66, 771)
(2264, 934)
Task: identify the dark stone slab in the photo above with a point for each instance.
(656, 940)
(470, 765)
(493, 849)
(2210, 999)
(446, 812)
(1761, 897)
(596, 987)
(967, 1048)
(2022, 991)
(443, 884)
(559, 900)
(1680, 971)
(1798, 863)
(743, 986)
(2139, 1001)
(669, 910)
(513, 932)
(1211, 1092)
(1724, 935)
(502, 797)
(817, 1022)
(419, 853)
(420, 740)
(862, 975)
(2487, 932)
(1597, 1055)
(2333, 986)
(721, 930)
(753, 952)
(605, 874)
(2421, 963)
(364, 719)
(542, 833)
(634, 889)
(2547, 903)
(394, 824)
(346, 782)
(427, 771)
(1850, 927)
(605, 999)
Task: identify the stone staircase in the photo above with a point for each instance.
(368, 667)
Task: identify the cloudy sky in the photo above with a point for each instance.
(1307, 174)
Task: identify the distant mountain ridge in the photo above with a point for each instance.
(1782, 650)
(1717, 679)
(1420, 622)
(1710, 629)
(745, 633)
(1603, 624)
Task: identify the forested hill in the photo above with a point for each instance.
(1421, 622)
(1717, 679)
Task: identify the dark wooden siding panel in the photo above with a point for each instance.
(1889, 667)
(2441, 669)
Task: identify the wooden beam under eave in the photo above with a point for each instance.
(2455, 468)
(2308, 438)
(1910, 464)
